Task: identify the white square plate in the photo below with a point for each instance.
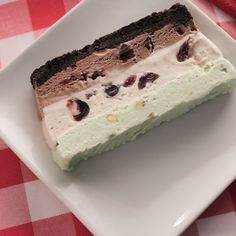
(154, 186)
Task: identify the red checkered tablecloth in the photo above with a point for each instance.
(23, 211)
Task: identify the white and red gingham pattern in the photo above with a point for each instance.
(27, 212)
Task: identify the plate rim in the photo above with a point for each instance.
(55, 190)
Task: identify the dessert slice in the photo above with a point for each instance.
(153, 70)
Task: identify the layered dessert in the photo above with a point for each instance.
(153, 70)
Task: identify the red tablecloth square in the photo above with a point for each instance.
(192, 230)
(14, 19)
(229, 27)
(27, 174)
(20, 230)
(44, 13)
(55, 226)
(80, 228)
(232, 189)
(223, 204)
(14, 207)
(68, 4)
(10, 169)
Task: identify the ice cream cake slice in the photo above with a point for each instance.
(153, 70)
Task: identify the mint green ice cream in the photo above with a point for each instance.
(127, 121)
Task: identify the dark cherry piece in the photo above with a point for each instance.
(148, 44)
(185, 51)
(130, 81)
(78, 108)
(126, 52)
(112, 90)
(148, 77)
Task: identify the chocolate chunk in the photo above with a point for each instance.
(193, 27)
(147, 78)
(98, 73)
(180, 29)
(148, 44)
(78, 108)
(130, 81)
(83, 76)
(185, 51)
(126, 52)
(112, 90)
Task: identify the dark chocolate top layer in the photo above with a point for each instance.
(177, 15)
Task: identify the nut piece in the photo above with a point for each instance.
(152, 115)
(140, 104)
(112, 118)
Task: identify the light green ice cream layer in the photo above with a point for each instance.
(121, 124)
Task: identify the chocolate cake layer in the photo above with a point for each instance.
(177, 16)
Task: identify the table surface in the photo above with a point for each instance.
(22, 195)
